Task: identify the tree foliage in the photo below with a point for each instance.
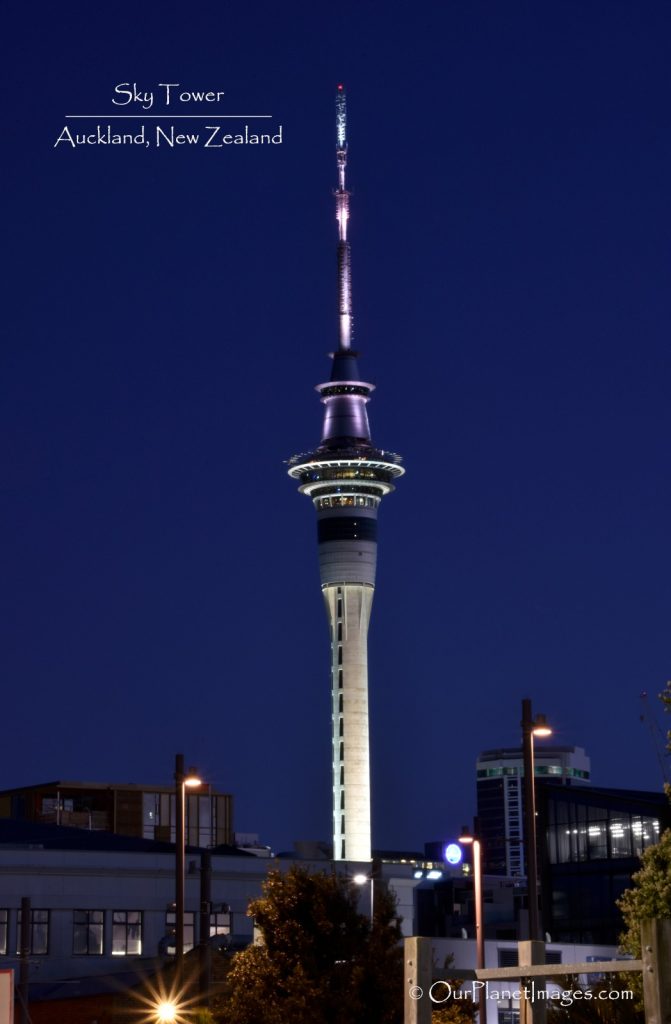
(650, 895)
(602, 1007)
(321, 961)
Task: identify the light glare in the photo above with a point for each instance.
(166, 1013)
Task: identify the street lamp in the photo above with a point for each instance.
(361, 879)
(531, 727)
(467, 839)
(182, 780)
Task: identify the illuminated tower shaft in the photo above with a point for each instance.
(346, 478)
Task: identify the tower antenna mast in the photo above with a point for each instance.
(342, 216)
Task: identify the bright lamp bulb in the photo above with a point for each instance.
(166, 1013)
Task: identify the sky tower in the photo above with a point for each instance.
(346, 477)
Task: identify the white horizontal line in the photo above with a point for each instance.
(169, 117)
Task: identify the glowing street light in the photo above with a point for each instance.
(182, 780)
(467, 839)
(531, 727)
(166, 1013)
(361, 879)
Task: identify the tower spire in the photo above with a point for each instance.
(342, 216)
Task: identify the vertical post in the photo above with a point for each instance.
(479, 922)
(24, 953)
(417, 971)
(205, 905)
(179, 870)
(656, 956)
(532, 1010)
(530, 818)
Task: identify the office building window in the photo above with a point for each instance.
(87, 932)
(220, 922)
(126, 933)
(4, 914)
(171, 921)
(39, 933)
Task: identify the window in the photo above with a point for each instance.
(220, 922)
(87, 932)
(126, 932)
(340, 679)
(3, 932)
(188, 937)
(340, 703)
(342, 728)
(508, 957)
(39, 933)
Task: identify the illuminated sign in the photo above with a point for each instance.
(453, 853)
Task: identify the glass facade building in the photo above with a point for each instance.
(590, 846)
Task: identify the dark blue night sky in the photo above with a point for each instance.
(169, 312)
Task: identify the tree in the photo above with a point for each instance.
(651, 893)
(321, 962)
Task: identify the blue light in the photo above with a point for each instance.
(453, 853)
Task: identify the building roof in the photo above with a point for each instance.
(137, 787)
(36, 835)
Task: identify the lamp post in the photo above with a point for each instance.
(361, 879)
(467, 839)
(182, 780)
(531, 727)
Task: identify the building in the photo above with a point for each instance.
(346, 477)
(103, 903)
(102, 914)
(590, 842)
(500, 798)
(130, 809)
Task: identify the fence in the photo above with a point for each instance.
(655, 966)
